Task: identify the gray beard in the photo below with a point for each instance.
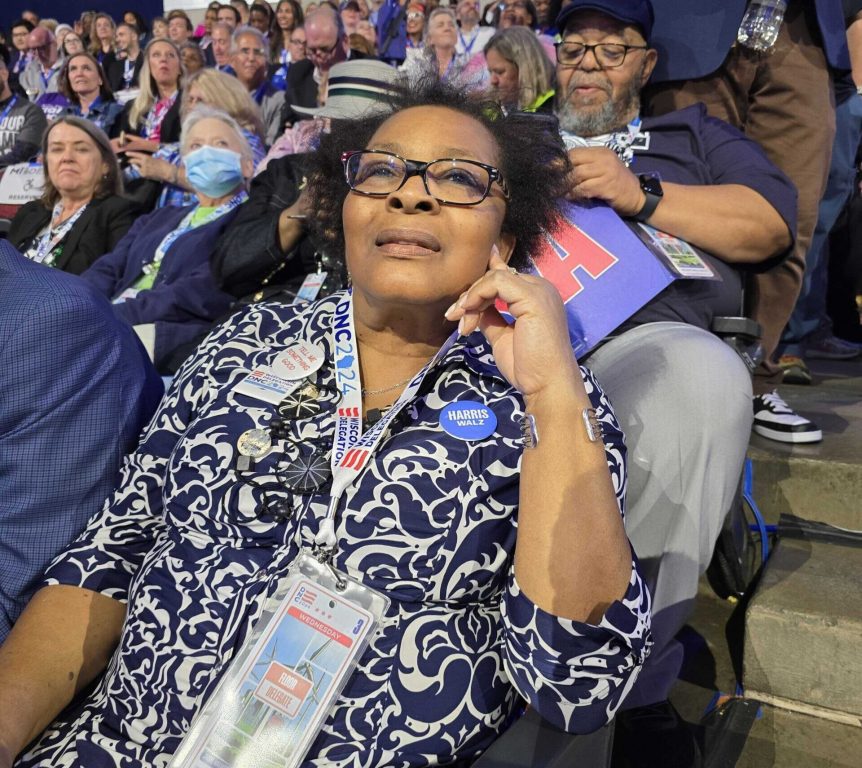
(610, 117)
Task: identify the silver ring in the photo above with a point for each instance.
(514, 271)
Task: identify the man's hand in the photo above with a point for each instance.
(598, 174)
(291, 222)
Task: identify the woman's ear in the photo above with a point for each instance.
(506, 246)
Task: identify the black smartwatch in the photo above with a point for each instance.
(651, 187)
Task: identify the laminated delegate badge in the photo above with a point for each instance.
(273, 700)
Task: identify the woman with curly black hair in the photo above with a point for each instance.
(433, 477)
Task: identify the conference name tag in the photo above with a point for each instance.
(274, 699)
(272, 383)
(678, 255)
(311, 286)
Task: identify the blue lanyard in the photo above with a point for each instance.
(445, 76)
(23, 60)
(8, 107)
(186, 224)
(128, 72)
(469, 48)
(46, 80)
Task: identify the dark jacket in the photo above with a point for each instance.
(96, 233)
(693, 38)
(184, 300)
(248, 258)
(301, 88)
(77, 389)
(117, 67)
(170, 123)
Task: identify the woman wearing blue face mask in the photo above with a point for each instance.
(158, 277)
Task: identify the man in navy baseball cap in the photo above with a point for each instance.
(636, 12)
(698, 179)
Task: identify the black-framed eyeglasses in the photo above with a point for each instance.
(608, 55)
(320, 51)
(451, 181)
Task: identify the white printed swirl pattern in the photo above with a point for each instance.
(432, 523)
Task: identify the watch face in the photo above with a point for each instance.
(651, 185)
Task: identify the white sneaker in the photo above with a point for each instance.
(775, 420)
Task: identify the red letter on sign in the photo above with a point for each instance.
(574, 248)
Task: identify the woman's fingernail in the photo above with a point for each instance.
(461, 325)
(451, 309)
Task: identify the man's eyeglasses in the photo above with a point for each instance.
(297, 42)
(322, 52)
(415, 16)
(37, 48)
(451, 181)
(608, 55)
(257, 53)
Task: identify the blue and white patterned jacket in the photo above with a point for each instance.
(432, 523)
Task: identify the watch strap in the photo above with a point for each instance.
(651, 188)
(649, 207)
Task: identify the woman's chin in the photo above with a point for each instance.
(68, 189)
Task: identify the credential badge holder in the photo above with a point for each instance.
(273, 700)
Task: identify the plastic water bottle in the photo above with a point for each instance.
(759, 28)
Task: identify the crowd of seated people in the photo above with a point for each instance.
(224, 191)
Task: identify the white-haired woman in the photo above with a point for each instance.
(439, 58)
(214, 89)
(159, 276)
(154, 116)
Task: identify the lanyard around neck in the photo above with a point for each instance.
(469, 48)
(351, 449)
(8, 108)
(128, 71)
(151, 268)
(53, 236)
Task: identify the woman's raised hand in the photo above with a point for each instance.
(534, 354)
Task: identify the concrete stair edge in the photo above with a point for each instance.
(802, 708)
(803, 626)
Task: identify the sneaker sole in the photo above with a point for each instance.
(795, 376)
(815, 355)
(789, 437)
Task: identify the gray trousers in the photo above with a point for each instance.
(683, 398)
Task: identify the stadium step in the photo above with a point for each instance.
(821, 482)
(803, 630)
(802, 627)
(783, 739)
